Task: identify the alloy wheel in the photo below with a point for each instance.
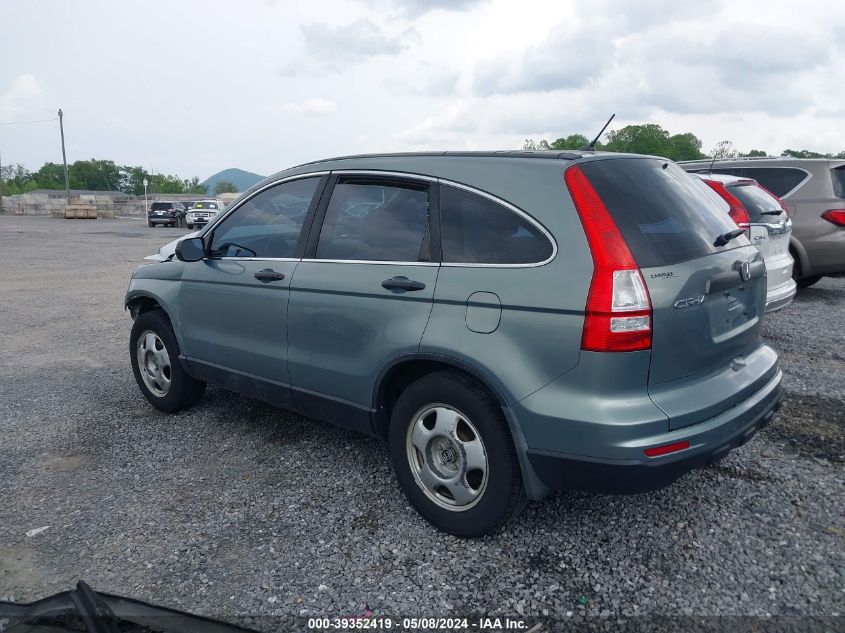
(447, 457)
(154, 363)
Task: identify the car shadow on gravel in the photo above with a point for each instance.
(830, 296)
(811, 426)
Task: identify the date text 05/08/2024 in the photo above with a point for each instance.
(419, 624)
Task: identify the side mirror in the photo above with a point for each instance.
(190, 250)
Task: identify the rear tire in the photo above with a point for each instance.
(454, 456)
(806, 282)
(154, 354)
(800, 281)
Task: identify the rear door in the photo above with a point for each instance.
(362, 295)
(707, 300)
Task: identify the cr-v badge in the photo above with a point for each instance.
(680, 304)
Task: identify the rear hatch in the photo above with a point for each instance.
(770, 225)
(707, 300)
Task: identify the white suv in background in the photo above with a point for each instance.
(767, 225)
(201, 212)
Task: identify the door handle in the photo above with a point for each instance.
(267, 275)
(402, 283)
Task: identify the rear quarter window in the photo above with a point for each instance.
(663, 213)
(779, 180)
(476, 229)
(838, 175)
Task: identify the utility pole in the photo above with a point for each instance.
(64, 156)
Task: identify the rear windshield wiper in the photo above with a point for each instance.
(724, 238)
(771, 212)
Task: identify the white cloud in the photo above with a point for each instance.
(23, 100)
(411, 74)
(358, 39)
(419, 7)
(311, 107)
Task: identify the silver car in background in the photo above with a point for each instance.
(813, 190)
(767, 225)
(202, 212)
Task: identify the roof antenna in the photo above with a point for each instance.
(710, 168)
(591, 147)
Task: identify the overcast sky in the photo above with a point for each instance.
(195, 86)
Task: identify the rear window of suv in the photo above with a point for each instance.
(663, 214)
(161, 206)
(761, 206)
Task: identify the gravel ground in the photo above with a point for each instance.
(237, 510)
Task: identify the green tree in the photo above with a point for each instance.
(530, 145)
(97, 175)
(755, 153)
(573, 141)
(16, 179)
(724, 149)
(164, 183)
(132, 180)
(806, 153)
(195, 186)
(50, 176)
(685, 146)
(224, 186)
(648, 138)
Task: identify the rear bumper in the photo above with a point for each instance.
(780, 296)
(709, 442)
(163, 220)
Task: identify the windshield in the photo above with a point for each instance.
(204, 205)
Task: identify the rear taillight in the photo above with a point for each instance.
(618, 312)
(835, 216)
(737, 211)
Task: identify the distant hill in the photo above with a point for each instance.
(243, 180)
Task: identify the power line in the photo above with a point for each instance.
(25, 122)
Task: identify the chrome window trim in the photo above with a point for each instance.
(227, 212)
(513, 209)
(443, 181)
(377, 172)
(369, 261)
(256, 259)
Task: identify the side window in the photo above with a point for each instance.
(372, 221)
(475, 229)
(778, 180)
(268, 224)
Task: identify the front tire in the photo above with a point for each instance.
(454, 456)
(154, 354)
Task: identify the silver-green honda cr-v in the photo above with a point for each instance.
(512, 322)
